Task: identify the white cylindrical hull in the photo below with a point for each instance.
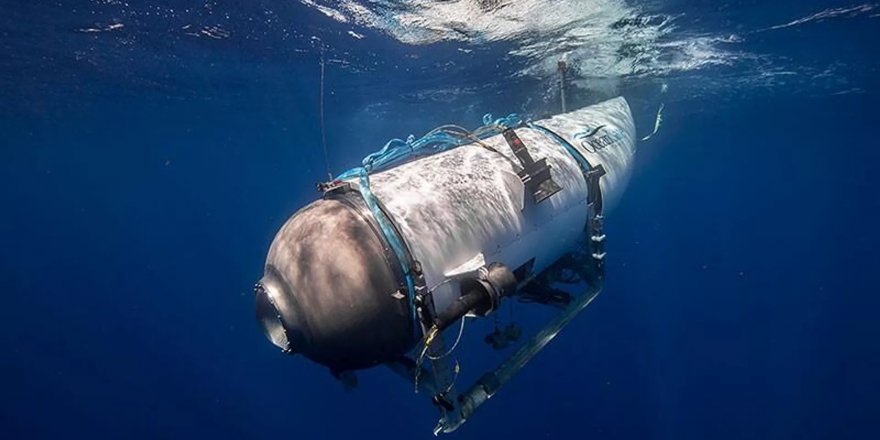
(468, 201)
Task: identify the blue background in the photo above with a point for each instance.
(141, 184)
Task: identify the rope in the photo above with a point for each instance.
(456, 370)
(432, 333)
(323, 130)
(429, 338)
(454, 345)
(435, 141)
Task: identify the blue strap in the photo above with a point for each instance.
(391, 235)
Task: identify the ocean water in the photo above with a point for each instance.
(151, 150)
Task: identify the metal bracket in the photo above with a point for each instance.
(534, 175)
(334, 186)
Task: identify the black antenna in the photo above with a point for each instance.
(323, 130)
(562, 67)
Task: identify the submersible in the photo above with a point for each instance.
(429, 231)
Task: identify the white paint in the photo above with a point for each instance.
(455, 205)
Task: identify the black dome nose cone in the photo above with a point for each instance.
(337, 287)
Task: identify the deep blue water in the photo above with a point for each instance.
(145, 171)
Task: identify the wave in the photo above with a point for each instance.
(598, 38)
(826, 14)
